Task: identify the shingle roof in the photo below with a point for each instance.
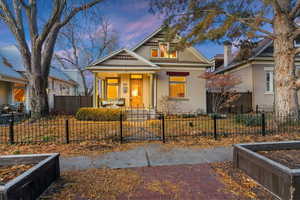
(12, 55)
(264, 48)
(9, 72)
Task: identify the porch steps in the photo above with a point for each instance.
(137, 114)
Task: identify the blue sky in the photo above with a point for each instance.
(132, 20)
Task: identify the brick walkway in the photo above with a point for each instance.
(183, 182)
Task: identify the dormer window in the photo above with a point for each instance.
(163, 51)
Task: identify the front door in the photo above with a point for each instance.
(136, 92)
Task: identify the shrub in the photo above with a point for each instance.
(249, 120)
(98, 114)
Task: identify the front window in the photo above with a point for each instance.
(19, 93)
(177, 86)
(163, 51)
(269, 81)
(112, 88)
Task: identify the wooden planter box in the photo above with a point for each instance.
(280, 180)
(32, 183)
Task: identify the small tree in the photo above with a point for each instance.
(222, 88)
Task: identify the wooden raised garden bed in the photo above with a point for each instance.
(27, 176)
(274, 165)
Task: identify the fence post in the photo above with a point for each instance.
(67, 137)
(121, 128)
(242, 109)
(11, 131)
(215, 127)
(256, 108)
(263, 124)
(163, 128)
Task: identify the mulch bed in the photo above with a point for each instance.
(289, 158)
(238, 183)
(8, 173)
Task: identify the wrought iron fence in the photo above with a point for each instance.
(136, 125)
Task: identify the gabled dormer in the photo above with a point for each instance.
(161, 52)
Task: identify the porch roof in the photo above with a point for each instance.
(123, 60)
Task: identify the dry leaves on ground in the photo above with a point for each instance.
(73, 149)
(93, 184)
(8, 173)
(239, 184)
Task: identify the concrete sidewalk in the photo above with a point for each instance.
(149, 155)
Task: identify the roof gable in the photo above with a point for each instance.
(152, 40)
(124, 57)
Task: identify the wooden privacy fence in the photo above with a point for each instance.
(242, 105)
(70, 104)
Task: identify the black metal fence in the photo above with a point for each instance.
(142, 125)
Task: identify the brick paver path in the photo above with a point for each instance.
(183, 182)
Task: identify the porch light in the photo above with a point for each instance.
(135, 92)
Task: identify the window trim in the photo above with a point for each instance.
(159, 52)
(296, 44)
(271, 91)
(107, 84)
(178, 82)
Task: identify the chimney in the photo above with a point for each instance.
(227, 53)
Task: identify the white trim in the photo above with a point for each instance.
(146, 39)
(183, 68)
(122, 68)
(127, 51)
(183, 64)
(268, 68)
(193, 49)
(271, 74)
(199, 55)
(13, 80)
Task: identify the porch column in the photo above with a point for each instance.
(95, 91)
(151, 96)
(154, 90)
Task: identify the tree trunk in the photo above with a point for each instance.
(285, 97)
(39, 97)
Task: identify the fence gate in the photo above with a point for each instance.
(140, 124)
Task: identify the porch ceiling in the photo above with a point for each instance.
(117, 73)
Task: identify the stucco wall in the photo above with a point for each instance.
(245, 74)
(195, 91)
(5, 92)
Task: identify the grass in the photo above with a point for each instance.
(53, 130)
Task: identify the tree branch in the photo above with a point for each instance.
(295, 10)
(78, 9)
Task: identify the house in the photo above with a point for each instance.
(150, 73)
(255, 68)
(14, 85)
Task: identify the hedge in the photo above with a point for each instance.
(98, 114)
(249, 120)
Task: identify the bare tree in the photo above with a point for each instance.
(215, 20)
(82, 42)
(22, 17)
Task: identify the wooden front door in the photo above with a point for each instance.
(136, 93)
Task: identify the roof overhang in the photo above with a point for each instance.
(13, 80)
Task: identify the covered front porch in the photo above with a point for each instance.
(123, 89)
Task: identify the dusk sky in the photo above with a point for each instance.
(132, 20)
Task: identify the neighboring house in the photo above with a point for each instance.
(14, 85)
(255, 69)
(150, 72)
